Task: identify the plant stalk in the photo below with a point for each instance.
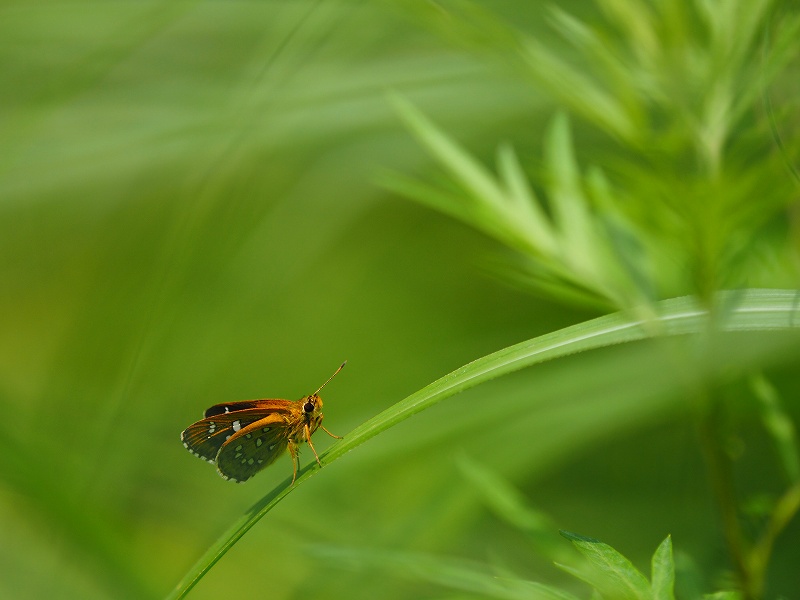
(721, 478)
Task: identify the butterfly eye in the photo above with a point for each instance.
(308, 407)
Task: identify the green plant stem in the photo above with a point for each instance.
(750, 559)
(720, 474)
(779, 426)
(759, 555)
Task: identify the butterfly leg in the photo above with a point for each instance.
(338, 437)
(293, 454)
(308, 439)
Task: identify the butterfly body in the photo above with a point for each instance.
(241, 438)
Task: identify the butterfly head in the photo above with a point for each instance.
(312, 409)
(312, 405)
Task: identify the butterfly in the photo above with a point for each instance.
(241, 438)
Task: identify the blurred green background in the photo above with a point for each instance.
(191, 213)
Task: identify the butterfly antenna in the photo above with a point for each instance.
(331, 377)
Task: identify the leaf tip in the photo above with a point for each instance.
(576, 537)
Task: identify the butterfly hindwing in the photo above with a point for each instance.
(205, 437)
(253, 448)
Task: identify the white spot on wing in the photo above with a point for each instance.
(237, 425)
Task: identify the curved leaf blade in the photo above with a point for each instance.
(740, 310)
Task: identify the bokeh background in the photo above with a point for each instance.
(192, 211)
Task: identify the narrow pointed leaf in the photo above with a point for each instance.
(612, 575)
(524, 201)
(490, 208)
(570, 207)
(578, 91)
(461, 165)
(663, 572)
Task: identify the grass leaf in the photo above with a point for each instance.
(754, 310)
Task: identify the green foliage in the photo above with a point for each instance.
(571, 253)
(662, 578)
(189, 214)
(610, 574)
(778, 424)
(754, 310)
(674, 84)
(607, 572)
(450, 573)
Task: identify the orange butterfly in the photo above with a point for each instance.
(242, 438)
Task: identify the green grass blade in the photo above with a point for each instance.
(746, 310)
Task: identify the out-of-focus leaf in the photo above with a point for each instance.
(778, 424)
(510, 505)
(612, 574)
(451, 573)
(663, 572)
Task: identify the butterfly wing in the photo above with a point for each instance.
(253, 448)
(205, 437)
(229, 407)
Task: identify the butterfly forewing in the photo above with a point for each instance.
(253, 448)
(229, 407)
(205, 437)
